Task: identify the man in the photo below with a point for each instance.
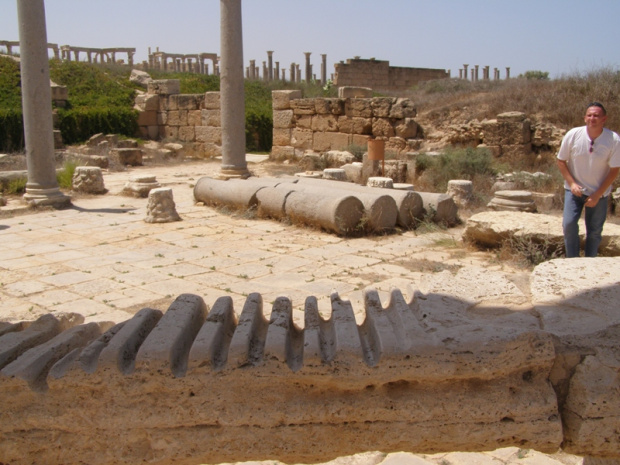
(589, 160)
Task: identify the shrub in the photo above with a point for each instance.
(11, 130)
(10, 85)
(64, 177)
(77, 125)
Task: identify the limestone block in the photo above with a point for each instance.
(347, 92)
(337, 158)
(331, 106)
(281, 99)
(324, 123)
(160, 207)
(139, 185)
(381, 106)
(282, 153)
(358, 107)
(142, 78)
(132, 157)
(381, 127)
(162, 118)
(545, 202)
(360, 140)
(303, 122)
(395, 145)
(403, 108)
(185, 101)
(283, 119)
(89, 180)
(194, 118)
(334, 174)
(211, 101)
(164, 86)
(406, 128)
(355, 125)
(211, 118)
(147, 102)
(187, 133)
(512, 117)
(547, 135)
(169, 132)
(282, 136)
(324, 141)
(301, 138)
(147, 118)
(127, 144)
(303, 106)
(208, 134)
(496, 132)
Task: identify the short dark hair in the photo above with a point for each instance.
(599, 105)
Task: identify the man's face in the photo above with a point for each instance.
(595, 118)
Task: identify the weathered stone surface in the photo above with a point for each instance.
(161, 207)
(281, 99)
(164, 86)
(140, 185)
(377, 181)
(335, 174)
(132, 157)
(513, 200)
(89, 180)
(142, 78)
(491, 229)
(461, 190)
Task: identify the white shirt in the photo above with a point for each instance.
(590, 169)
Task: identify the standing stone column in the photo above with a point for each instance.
(308, 67)
(232, 92)
(465, 70)
(276, 73)
(508, 72)
(270, 59)
(42, 186)
(323, 69)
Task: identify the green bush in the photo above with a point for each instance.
(10, 85)
(65, 176)
(11, 130)
(77, 125)
(258, 117)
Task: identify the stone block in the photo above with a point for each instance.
(281, 99)
(147, 118)
(132, 157)
(211, 101)
(330, 141)
(358, 107)
(211, 118)
(355, 125)
(406, 128)
(282, 136)
(194, 117)
(184, 102)
(403, 108)
(88, 180)
(381, 106)
(162, 118)
(354, 92)
(282, 153)
(283, 119)
(187, 133)
(208, 134)
(161, 207)
(496, 132)
(170, 132)
(303, 122)
(147, 102)
(302, 138)
(381, 127)
(332, 106)
(324, 123)
(164, 87)
(303, 106)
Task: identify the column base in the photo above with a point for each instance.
(46, 197)
(234, 173)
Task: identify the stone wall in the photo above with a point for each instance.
(324, 124)
(378, 74)
(165, 113)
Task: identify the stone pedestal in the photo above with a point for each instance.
(88, 180)
(335, 174)
(461, 191)
(161, 207)
(140, 185)
(379, 181)
(521, 201)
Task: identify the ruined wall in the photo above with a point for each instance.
(324, 124)
(379, 75)
(165, 113)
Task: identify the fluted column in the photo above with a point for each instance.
(232, 91)
(42, 186)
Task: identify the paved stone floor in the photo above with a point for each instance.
(101, 259)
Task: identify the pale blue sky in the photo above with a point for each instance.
(558, 36)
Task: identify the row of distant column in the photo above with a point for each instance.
(274, 73)
(486, 73)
